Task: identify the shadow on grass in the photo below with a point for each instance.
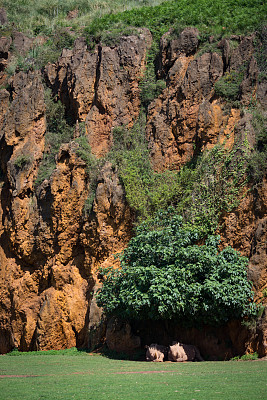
(114, 355)
(102, 351)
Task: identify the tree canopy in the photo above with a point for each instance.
(166, 274)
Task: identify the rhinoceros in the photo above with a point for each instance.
(156, 352)
(183, 352)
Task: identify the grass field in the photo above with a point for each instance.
(79, 375)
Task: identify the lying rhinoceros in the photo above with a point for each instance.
(183, 352)
(156, 352)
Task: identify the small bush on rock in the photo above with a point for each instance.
(228, 86)
(21, 161)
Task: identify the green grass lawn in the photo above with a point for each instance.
(86, 376)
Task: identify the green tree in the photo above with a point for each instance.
(166, 274)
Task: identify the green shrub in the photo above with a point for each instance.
(40, 55)
(228, 86)
(260, 45)
(249, 357)
(129, 153)
(50, 51)
(151, 89)
(21, 161)
(84, 152)
(44, 16)
(260, 311)
(208, 47)
(12, 65)
(106, 21)
(165, 274)
(237, 358)
(211, 17)
(150, 86)
(20, 63)
(246, 357)
(112, 37)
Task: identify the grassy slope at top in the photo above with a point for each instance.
(44, 16)
(94, 377)
(211, 16)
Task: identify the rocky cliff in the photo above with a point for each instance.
(50, 249)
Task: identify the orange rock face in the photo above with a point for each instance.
(101, 88)
(28, 262)
(189, 117)
(245, 230)
(50, 248)
(109, 226)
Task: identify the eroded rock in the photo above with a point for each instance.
(101, 87)
(185, 116)
(109, 226)
(188, 116)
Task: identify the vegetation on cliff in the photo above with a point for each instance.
(200, 191)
